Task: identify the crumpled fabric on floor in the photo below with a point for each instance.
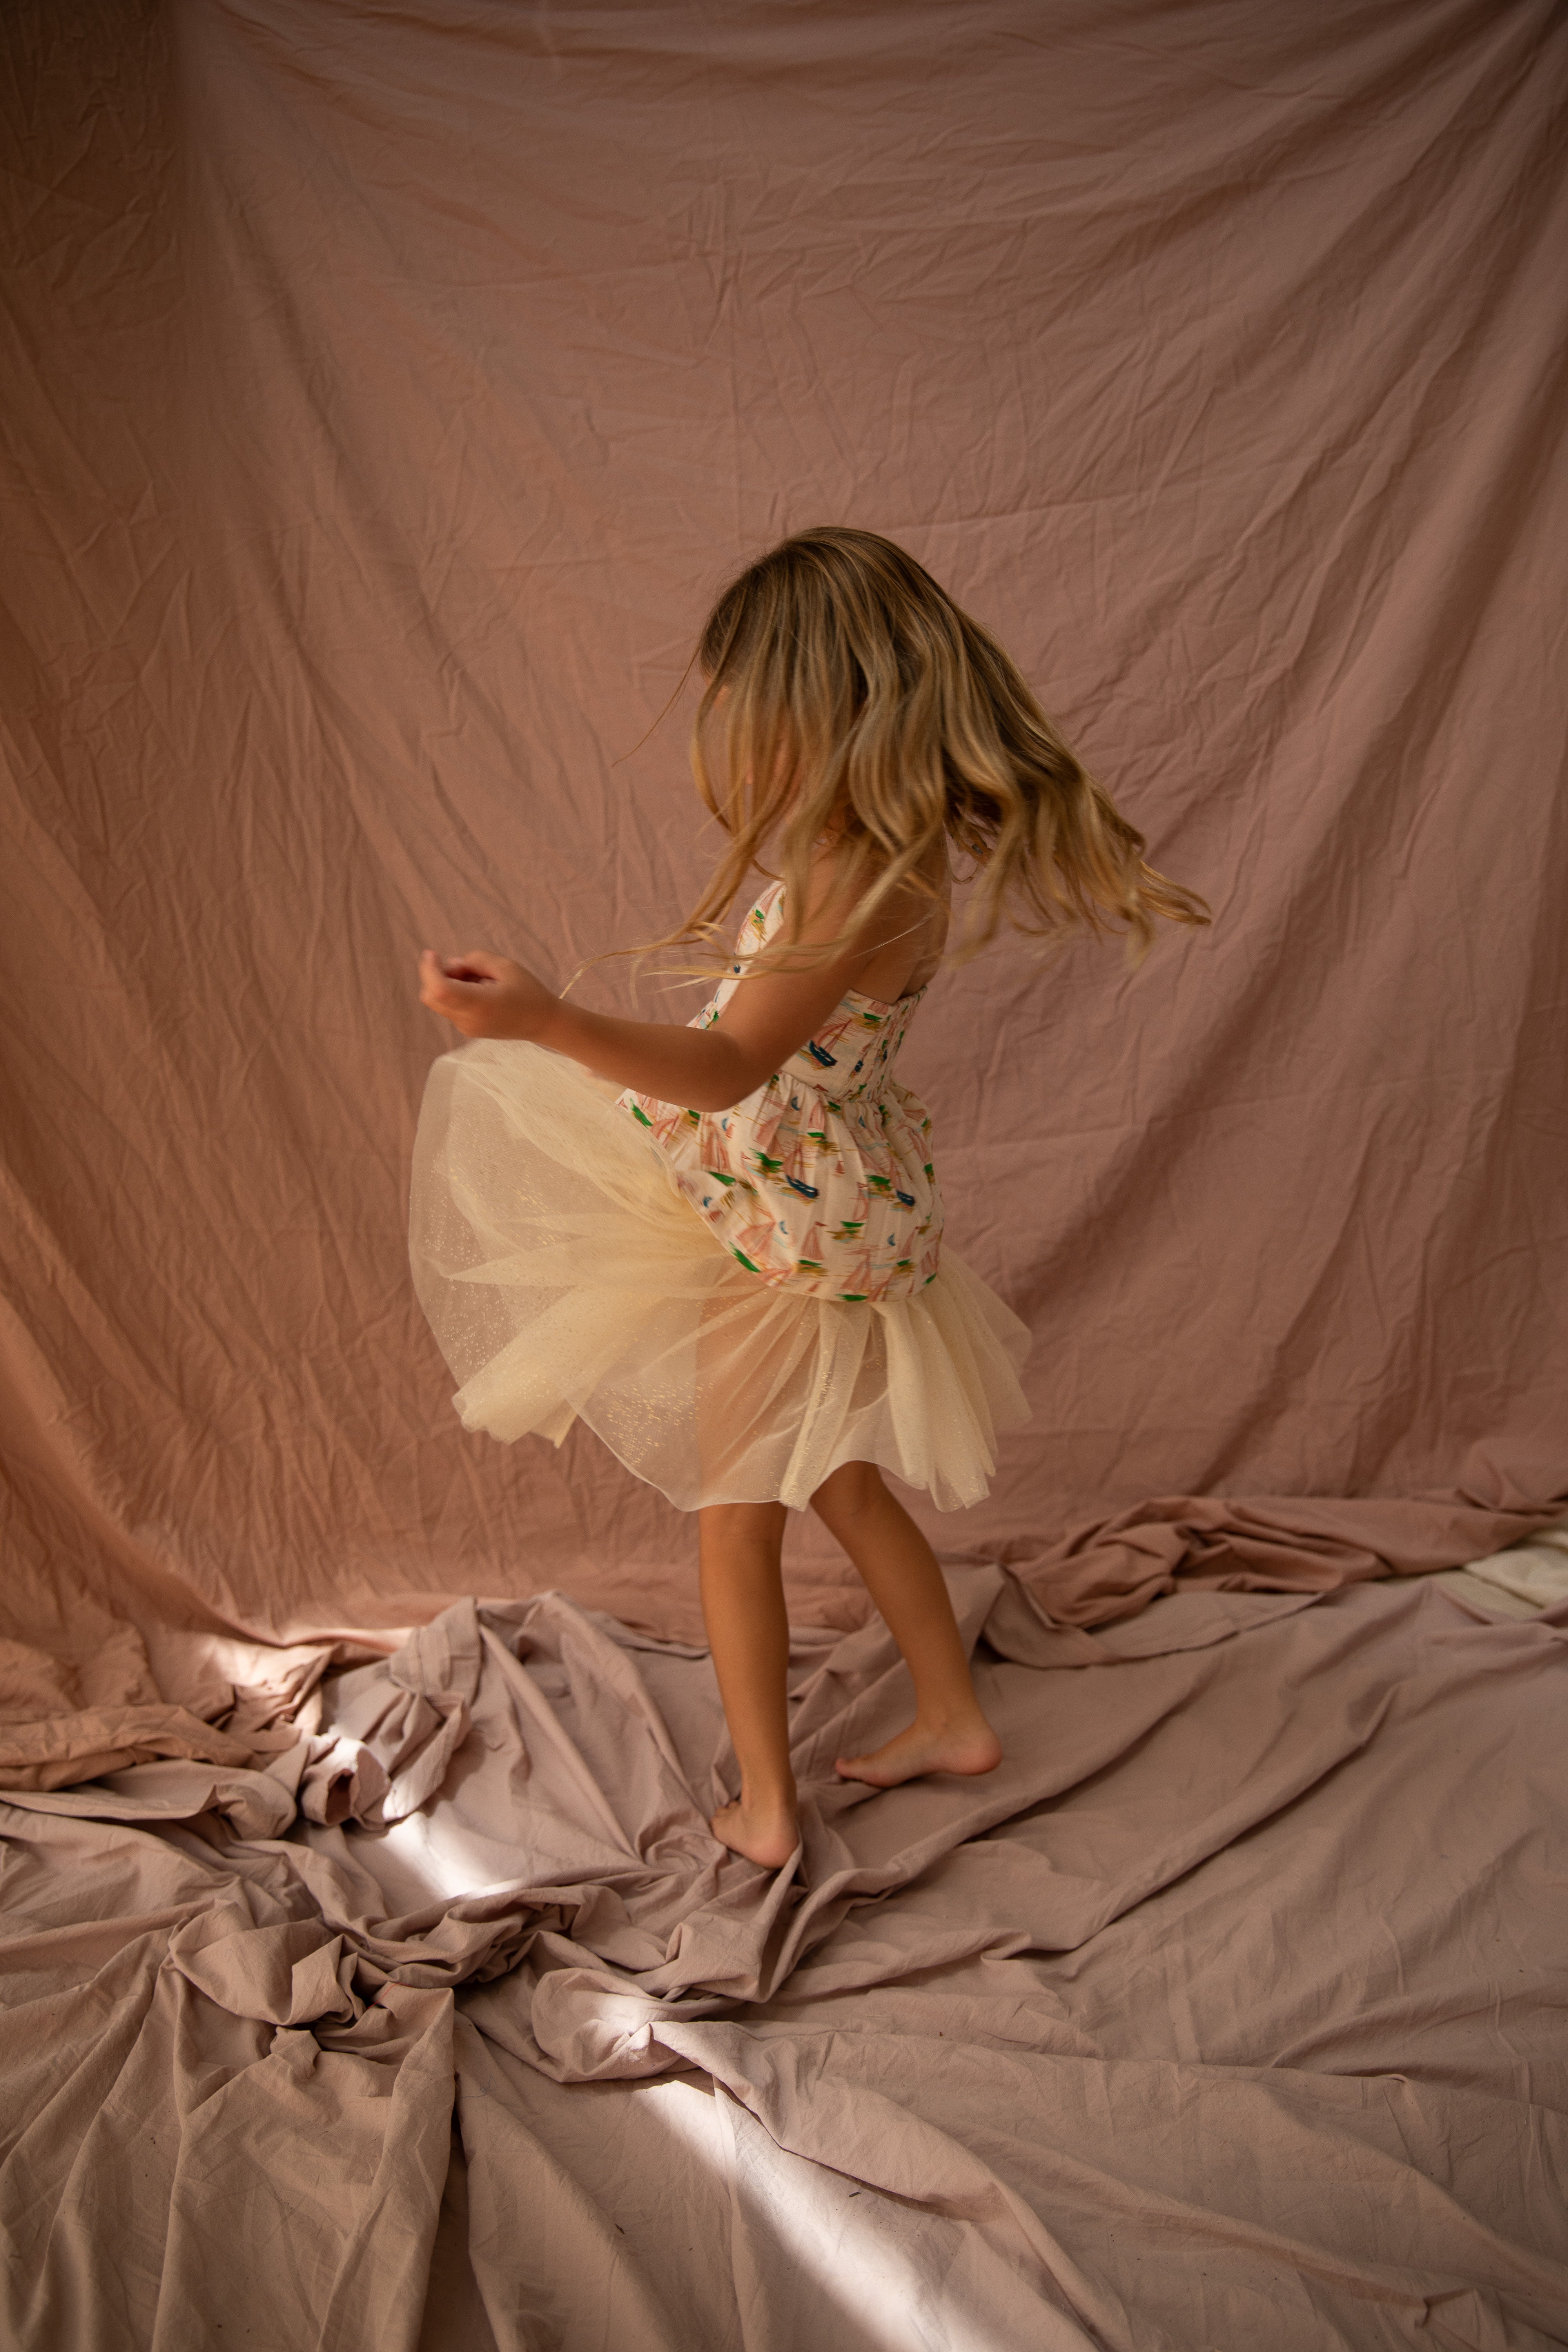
(1231, 2001)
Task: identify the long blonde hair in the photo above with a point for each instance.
(855, 698)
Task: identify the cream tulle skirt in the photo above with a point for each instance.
(565, 1278)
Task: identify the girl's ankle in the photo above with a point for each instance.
(955, 1717)
(777, 1800)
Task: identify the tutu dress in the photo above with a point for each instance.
(738, 1302)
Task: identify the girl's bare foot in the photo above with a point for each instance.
(970, 1745)
(765, 1834)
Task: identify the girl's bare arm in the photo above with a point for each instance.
(768, 1018)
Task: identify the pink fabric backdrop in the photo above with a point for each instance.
(390, 388)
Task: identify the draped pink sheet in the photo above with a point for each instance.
(1228, 2010)
(387, 390)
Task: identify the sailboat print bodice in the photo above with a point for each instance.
(822, 1180)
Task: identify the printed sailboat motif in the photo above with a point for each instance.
(833, 1193)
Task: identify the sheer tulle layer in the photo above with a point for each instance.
(565, 1277)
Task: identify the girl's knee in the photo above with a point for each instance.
(742, 1522)
(853, 1487)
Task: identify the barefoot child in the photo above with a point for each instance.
(721, 1245)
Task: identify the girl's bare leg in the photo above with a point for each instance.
(748, 1633)
(949, 1733)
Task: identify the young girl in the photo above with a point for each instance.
(721, 1245)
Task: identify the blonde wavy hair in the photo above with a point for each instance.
(848, 695)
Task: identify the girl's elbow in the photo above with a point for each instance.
(727, 1087)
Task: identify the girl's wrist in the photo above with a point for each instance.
(555, 1031)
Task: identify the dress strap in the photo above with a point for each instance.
(770, 906)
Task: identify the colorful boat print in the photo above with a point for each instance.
(831, 1194)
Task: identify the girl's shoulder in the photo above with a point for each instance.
(903, 940)
(931, 880)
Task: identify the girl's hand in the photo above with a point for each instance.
(484, 995)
